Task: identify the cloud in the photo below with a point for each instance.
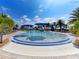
(25, 20)
(48, 20)
(41, 6)
(64, 17)
(56, 2)
(37, 19)
(48, 3)
(41, 10)
(4, 9)
(8, 15)
(52, 2)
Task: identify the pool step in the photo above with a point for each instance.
(42, 43)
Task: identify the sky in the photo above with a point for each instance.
(27, 11)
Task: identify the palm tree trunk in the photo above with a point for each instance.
(60, 28)
(1, 37)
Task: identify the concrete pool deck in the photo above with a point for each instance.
(18, 51)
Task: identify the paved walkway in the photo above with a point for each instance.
(17, 51)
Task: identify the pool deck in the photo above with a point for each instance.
(18, 51)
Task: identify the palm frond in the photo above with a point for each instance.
(74, 15)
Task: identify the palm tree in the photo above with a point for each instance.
(55, 25)
(74, 16)
(60, 23)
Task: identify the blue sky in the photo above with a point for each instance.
(38, 10)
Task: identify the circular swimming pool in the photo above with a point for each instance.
(41, 38)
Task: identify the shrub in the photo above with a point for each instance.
(26, 28)
(75, 29)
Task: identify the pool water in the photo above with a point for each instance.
(41, 38)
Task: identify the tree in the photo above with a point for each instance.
(74, 16)
(5, 22)
(60, 23)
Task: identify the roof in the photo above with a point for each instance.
(28, 25)
(41, 23)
